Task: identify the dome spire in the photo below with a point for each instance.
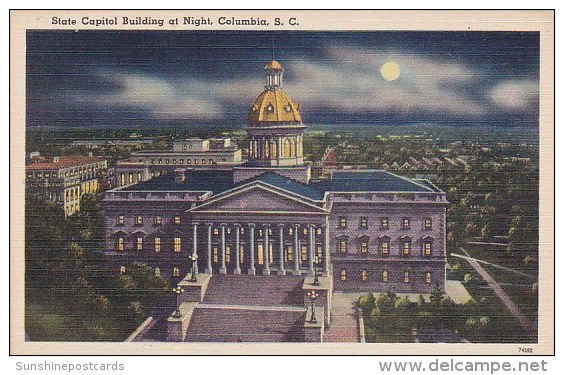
(273, 71)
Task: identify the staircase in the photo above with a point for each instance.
(242, 308)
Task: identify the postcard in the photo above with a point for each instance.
(216, 182)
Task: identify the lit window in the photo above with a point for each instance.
(138, 176)
(120, 244)
(196, 161)
(406, 277)
(176, 244)
(215, 231)
(242, 230)
(177, 220)
(305, 230)
(203, 161)
(157, 244)
(158, 220)
(120, 220)
(342, 222)
(343, 246)
(405, 223)
(406, 247)
(384, 223)
(241, 254)
(167, 161)
(227, 254)
(343, 274)
(131, 178)
(138, 220)
(290, 231)
(228, 230)
(188, 161)
(427, 223)
(173, 161)
(304, 253)
(157, 272)
(181, 161)
(139, 243)
(364, 222)
(384, 276)
(427, 248)
(363, 275)
(364, 248)
(290, 253)
(122, 269)
(427, 277)
(319, 251)
(215, 255)
(175, 272)
(385, 247)
(318, 231)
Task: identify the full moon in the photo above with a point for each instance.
(390, 71)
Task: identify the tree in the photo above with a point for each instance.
(436, 297)
(367, 303)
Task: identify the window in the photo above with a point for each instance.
(215, 255)
(215, 231)
(158, 220)
(290, 253)
(188, 161)
(364, 222)
(305, 230)
(228, 230)
(427, 248)
(227, 254)
(130, 178)
(384, 276)
(427, 223)
(241, 254)
(157, 244)
(363, 275)
(343, 246)
(120, 244)
(343, 274)
(196, 161)
(384, 223)
(139, 243)
(176, 244)
(177, 220)
(304, 253)
(405, 247)
(120, 220)
(138, 176)
(157, 272)
(290, 231)
(181, 161)
(319, 251)
(385, 247)
(406, 277)
(138, 220)
(175, 272)
(427, 277)
(167, 161)
(173, 161)
(364, 248)
(203, 161)
(405, 223)
(122, 269)
(342, 222)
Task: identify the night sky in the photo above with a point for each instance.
(123, 78)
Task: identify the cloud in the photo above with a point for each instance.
(346, 81)
(515, 95)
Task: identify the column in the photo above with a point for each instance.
(281, 270)
(297, 253)
(326, 251)
(266, 250)
(209, 269)
(237, 270)
(223, 268)
(311, 249)
(195, 245)
(280, 149)
(252, 270)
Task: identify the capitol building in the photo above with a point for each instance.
(264, 219)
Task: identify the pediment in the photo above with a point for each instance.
(258, 198)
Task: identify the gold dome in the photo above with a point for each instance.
(274, 106)
(273, 65)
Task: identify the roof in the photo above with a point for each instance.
(64, 162)
(274, 106)
(219, 181)
(273, 65)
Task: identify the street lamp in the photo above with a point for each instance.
(315, 275)
(312, 296)
(177, 291)
(194, 258)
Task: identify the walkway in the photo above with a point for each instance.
(344, 325)
(512, 307)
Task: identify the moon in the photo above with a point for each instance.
(390, 71)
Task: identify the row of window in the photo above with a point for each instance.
(175, 271)
(182, 161)
(176, 244)
(405, 222)
(385, 276)
(384, 247)
(138, 220)
(67, 173)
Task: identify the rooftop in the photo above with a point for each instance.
(63, 162)
(219, 181)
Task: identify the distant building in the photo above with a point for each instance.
(185, 153)
(64, 179)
